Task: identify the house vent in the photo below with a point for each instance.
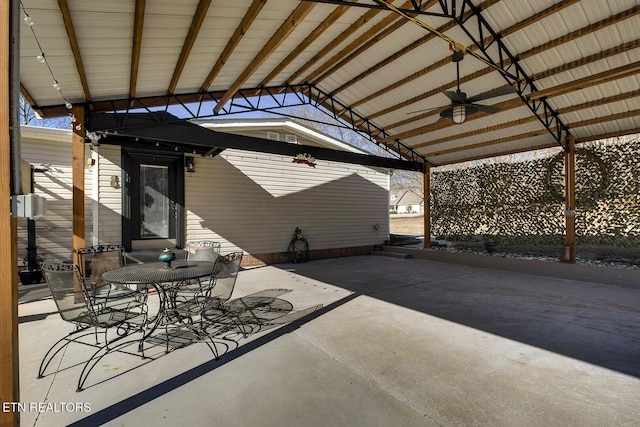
(293, 139)
(274, 136)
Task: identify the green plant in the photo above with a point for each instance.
(40, 259)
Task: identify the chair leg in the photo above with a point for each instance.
(51, 354)
(96, 357)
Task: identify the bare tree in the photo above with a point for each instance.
(407, 180)
(29, 117)
(26, 113)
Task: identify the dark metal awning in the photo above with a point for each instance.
(144, 130)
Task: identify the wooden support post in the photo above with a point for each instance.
(426, 188)
(570, 201)
(77, 170)
(9, 361)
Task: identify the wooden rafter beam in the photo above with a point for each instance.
(359, 23)
(26, 95)
(589, 81)
(583, 106)
(573, 35)
(415, 8)
(345, 58)
(500, 153)
(404, 51)
(441, 63)
(317, 32)
(503, 106)
(429, 94)
(531, 52)
(73, 43)
(598, 102)
(544, 74)
(624, 47)
(597, 120)
(524, 55)
(483, 144)
(605, 119)
(194, 29)
(607, 135)
(296, 17)
(138, 24)
(241, 30)
(460, 136)
(550, 11)
(620, 72)
(356, 45)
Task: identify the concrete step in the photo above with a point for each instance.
(392, 254)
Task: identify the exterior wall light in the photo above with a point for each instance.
(190, 164)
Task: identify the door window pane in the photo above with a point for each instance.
(154, 201)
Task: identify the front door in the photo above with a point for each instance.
(153, 202)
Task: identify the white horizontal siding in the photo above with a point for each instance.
(110, 195)
(253, 202)
(54, 232)
(247, 201)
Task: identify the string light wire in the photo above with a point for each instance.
(42, 58)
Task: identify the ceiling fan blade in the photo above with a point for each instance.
(486, 108)
(455, 96)
(492, 94)
(424, 109)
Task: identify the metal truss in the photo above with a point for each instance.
(415, 10)
(266, 99)
(485, 38)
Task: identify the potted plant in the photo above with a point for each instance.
(32, 274)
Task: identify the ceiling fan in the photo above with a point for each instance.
(462, 107)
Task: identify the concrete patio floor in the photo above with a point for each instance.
(399, 342)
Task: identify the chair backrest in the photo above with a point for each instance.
(67, 291)
(204, 250)
(95, 260)
(225, 275)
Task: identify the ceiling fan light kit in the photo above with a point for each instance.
(459, 114)
(462, 107)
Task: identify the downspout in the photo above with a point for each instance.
(95, 202)
(14, 100)
(32, 249)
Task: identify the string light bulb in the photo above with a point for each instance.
(41, 58)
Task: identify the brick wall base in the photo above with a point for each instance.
(255, 260)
